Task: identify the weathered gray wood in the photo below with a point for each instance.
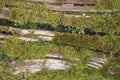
(27, 66)
(27, 39)
(94, 66)
(2, 37)
(52, 61)
(77, 16)
(67, 1)
(43, 32)
(79, 9)
(69, 6)
(54, 55)
(39, 64)
(23, 32)
(44, 35)
(97, 62)
(45, 38)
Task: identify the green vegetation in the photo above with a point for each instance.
(76, 38)
(74, 74)
(33, 12)
(36, 50)
(17, 50)
(109, 4)
(109, 44)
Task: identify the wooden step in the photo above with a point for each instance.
(83, 9)
(66, 1)
(46, 38)
(27, 39)
(97, 62)
(93, 66)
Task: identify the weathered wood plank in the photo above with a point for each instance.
(67, 1)
(25, 31)
(39, 64)
(46, 38)
(27, 39)
(52, 61)
(69, 6)
(45, 35)
(79, 9)
(43, 32)
(97, 62)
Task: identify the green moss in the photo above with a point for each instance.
(105, 44)
(23, 50)
(109, 4)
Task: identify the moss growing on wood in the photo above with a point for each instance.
(108, 44)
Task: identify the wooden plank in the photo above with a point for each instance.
(66, 1)
(96, 64)
(27, 39)
(67, 8)
(45, 35)
(33, 66)
(79, 9)
(93, 66)
(46, 38)
(23, 32)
